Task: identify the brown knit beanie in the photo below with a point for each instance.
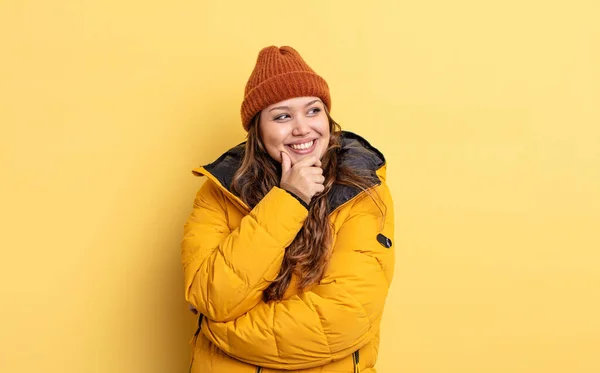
(280, 74)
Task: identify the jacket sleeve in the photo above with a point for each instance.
(226, 271)
(333, 319)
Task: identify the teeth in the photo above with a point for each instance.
(302, 146)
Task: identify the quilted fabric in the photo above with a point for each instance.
(230, 253)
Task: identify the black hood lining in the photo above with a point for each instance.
(355, 152)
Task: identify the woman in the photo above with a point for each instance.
(288, 253)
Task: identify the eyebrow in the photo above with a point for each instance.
(288, 108)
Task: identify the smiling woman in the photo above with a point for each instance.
(288, 253)
(297, 127)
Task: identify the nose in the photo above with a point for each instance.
(301, 127)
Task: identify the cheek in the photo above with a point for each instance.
(324, 129)
(271, 136)
(325, 143)
(324, 125)
(274, 141)
(272, 146)
(325, 136)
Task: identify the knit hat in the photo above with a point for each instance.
(280, 74)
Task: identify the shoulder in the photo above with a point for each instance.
(358, 149)
(376, 201)
(358, 153)
(222, 169)
(210, 195)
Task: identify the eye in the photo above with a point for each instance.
(314, 110)
(281, 117)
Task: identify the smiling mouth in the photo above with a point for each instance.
(303, 148)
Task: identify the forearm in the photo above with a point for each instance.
(226, 272)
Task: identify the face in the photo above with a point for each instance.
(298, 127)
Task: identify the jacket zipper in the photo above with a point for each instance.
(200, 317)
(356, 361)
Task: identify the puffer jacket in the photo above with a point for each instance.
(230, 253)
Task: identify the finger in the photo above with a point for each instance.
(318, 179)
(307, 162)
(286, 163)
(315, 170)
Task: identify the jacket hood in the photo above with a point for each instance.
(356, 152)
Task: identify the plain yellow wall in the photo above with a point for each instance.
(488, 113)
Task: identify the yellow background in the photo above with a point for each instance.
(488, 113)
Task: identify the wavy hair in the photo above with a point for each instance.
(308, 254)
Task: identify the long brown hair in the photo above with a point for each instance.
(308, 254)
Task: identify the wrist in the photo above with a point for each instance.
(296, 194)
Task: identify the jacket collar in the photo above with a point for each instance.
(355, 152)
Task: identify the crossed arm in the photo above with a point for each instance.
(334, 318)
